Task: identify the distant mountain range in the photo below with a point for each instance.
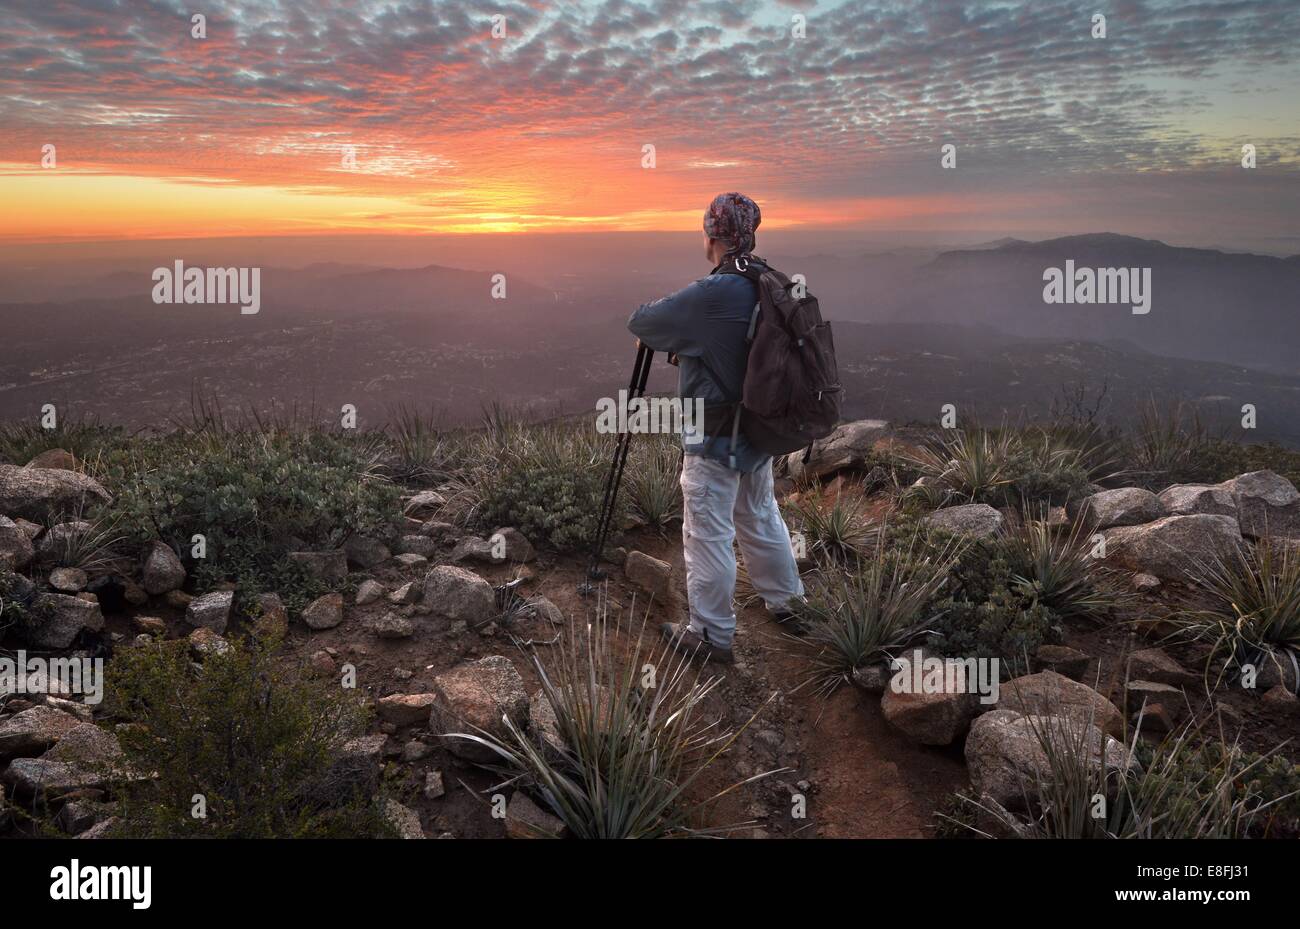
(1206, 304)
(916, 328)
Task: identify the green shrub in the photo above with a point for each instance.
(985, 616)
(254, 736)
(547, 481)
(253, 495)
(86, 439)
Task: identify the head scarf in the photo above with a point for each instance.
(733, 218)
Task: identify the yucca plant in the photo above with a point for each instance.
(1252, 613)
(417, 451)
(651, 480)
(1166, 442)
(1057, 569)
(871, 611)
(91, 545)
(973, 465)
(634, 743)
(1184, 787)
(835, 527)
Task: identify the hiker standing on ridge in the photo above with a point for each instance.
(726, 482)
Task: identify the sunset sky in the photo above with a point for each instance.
(159, 134)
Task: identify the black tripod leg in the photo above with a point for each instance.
(636, 388)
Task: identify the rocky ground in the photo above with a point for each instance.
(418, 616)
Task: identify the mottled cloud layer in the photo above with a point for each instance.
(455, 129)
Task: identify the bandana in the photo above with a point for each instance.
(732, 218)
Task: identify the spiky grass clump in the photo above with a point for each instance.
(94, 546)
(1253, 611)
(835, 527)
(1167, 443)
(871, 611)
(652, 480)
(633, 742)
(1056, 568)
(1184, 787)
(973, 466)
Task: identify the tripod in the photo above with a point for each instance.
(640, 373)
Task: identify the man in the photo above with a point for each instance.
(726, 484)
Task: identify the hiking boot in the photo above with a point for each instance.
(789, 621)
(691, 643)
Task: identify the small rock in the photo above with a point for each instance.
(368, 592)
(1153, 664)
(456, 594)
(473, 548)
(406, 594)
(1006, 757)
(1124, 506)
(1145, 583)
(211, 611)
(873, 678)
(41, 494)
(16, 547)
(392, 626)
(1050, 694)
(366, 552)
(415, 544)
(433, 788)
(162, 571)
(324, 612)
(404, 820)
(33, 731)
(424, 503)
(1137, 693)
(1066, 661)
(650, 574)
(517, 548)
(1190, 499)
(478, 695)
(405, 709)
(58, 619)
(411, 560)
(974, 519)
(526, 820)
(205, 642)
(68, 580)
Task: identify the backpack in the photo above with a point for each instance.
(791, 394)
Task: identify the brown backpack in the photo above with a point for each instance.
(792, 393)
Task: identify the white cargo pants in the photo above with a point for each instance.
(722, 505)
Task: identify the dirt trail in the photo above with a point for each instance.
(864, 779)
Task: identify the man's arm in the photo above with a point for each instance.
(671, 324)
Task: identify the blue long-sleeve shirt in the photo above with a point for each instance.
(706, 323)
